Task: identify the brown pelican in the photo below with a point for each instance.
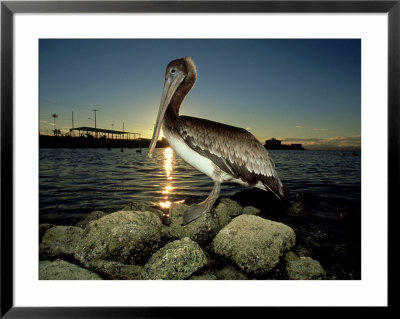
(223, 152)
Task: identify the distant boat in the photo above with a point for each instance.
(122, 149)
(354, 154)
(108, 149)
(342, 154)
(139, 150)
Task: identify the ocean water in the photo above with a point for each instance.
(74, 182)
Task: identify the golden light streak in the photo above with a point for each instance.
(168, 159)
(166, 204)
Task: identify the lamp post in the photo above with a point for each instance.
(54, 115)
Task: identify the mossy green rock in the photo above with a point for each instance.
(140, 207)
(225, 210)
(124, 236)
(253, 244)
(202, 230)
(229, 273)
(291, 256)
(176, 260)
(204, 276)
(62, 270)
(60, 242)
(250, 210)
(115, 270)
(95, 215)
(43, 228)
(304, 268)
(224, 273)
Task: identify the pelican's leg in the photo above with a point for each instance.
(196, 210)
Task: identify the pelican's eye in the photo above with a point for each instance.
(173, 71)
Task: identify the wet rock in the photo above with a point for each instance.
(229, 273)
(205, 276)
(304, 268)
(62, 270)
(250, 210)
(60, 242)
(95, 215)
(115, 270)
(253, 244)
(201, 230)
(224, 273)
(299, 209)
(43, 228)
(124, 236)
(225, 210)
(176, 260)
(290, 256)
(233, 208)
(140, 207)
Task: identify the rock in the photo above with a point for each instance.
(225, 210)
(62, 270)
(176, 260)
(304, 268)
(204, 276)
(115, 270)
(250, 210)
(140, 207)
(43, 228)
(225, 273)
(95, 215)
(124, 236)
(290, 256)
(299, 209)
(229, 273)
(60, 242)
(253, 244)
(202, 230)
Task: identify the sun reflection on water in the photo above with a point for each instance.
(168, 162)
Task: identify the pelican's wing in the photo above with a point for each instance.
(234, 150)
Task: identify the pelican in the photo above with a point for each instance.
(222, 152)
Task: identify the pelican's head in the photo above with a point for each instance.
(180, 76)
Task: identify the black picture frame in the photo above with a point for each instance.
(9, 8)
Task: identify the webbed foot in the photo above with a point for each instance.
(194, 212)
(197, 210)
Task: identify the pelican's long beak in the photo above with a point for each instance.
(171, 83)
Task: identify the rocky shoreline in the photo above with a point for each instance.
(140, 242)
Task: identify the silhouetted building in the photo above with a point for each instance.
(274, 144)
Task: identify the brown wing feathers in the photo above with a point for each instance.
(233, 150)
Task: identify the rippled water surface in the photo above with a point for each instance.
(74, 182)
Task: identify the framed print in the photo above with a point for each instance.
(263, 178)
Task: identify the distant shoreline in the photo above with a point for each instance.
(46, 141)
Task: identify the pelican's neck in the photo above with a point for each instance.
(172, 112)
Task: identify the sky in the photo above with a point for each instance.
(297, 90)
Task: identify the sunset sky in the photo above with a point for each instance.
(298, 91)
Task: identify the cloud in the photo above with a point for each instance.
(46, 122)
(330, 143)
(319, 129)
(299, 126)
